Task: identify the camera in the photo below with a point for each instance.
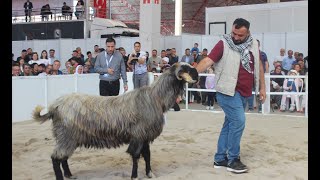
(135, 58)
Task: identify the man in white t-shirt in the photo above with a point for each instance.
(280, 57)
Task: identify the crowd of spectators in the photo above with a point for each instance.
(30, 64)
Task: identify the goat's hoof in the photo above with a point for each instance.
(151, 175)
(71, 177)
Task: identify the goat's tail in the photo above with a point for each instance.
(37, 117)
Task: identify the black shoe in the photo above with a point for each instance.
(237, 167)
(221, 164)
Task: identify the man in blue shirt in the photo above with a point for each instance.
(287, 62)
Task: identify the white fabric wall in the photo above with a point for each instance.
(28, 92)
(268, 17)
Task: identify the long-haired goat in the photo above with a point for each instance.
(135, 118)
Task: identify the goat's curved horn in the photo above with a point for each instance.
(177, 71)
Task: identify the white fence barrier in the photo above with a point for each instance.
(30, 91)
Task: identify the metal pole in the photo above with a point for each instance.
(109, 9)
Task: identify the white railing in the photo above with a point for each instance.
(30, 91)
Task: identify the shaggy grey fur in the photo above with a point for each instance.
(109, 122)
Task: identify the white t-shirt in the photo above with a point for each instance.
(40, 61)
(278, 59)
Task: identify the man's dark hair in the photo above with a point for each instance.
(75, 51)
(205, 49)
(33, 64)
(300, 54)
(110, 39)
(240, 22)
(52, 50)
(168, 49)
(96, 45)
(42, 65)
(187, 49)
(89, 52)
(163, 51)
(155, 50)
(23, 50)
(137, 43)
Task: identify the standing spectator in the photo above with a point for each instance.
(66, 11)
(137, 60)
(52, 56)
(96, 51)
(79, 10)
(55, 68)
(110, 65)
(265, 63)
(28, 9)
(154, 61)
(195, 48)
(280, 57)
(210, 85)
(187, 57)
(125, 58)
(236, 78)
(287, 62)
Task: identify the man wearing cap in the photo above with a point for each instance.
(110, 64)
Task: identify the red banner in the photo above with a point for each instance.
(100, 8)
(146, 1)
(156, 1)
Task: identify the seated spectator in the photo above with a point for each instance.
(276, 86)
(79, 69)
(187, 57)
(55, 68)
(165, 64)
(21, 62)
(291, 85)
(90, 67)
(26, 70)
(15, 69)
(41, 68)
(67, 69)
(195, 48)
(66, 11)
(45, 12)
(85, 69)
(47, 72)
(34, 69)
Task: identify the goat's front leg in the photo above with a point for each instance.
(146, 155)
(134, 150)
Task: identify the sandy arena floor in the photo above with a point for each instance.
(273, 147)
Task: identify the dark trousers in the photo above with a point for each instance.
(211, 97)
(109, 88)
